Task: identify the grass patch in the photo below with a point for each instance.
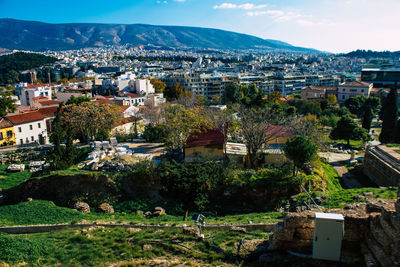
(103, 246)
(37, 212)
(353, 143)
(11, 179)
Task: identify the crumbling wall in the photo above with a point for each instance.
(372, 232)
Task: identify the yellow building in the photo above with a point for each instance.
(7, 134)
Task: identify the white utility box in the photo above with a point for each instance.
(328, 235)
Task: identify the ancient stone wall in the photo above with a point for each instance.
(380, 167)
(372, 233)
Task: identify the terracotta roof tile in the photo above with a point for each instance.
(25, 117)
(4, 123)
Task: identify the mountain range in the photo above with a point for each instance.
(39, 36)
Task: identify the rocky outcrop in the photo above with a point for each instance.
(82, 207)
(371, 236)
(105, 208)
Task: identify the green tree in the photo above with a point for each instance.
(61, 137)
(97, 123)
(7, 104)
(155, 133)
(355, 104)
(300, 150)
(159, 86)
(77, 100)
(181, 122)
(173, 92)
(192, 183)
(367, 118)
(389, 117)
(332, 99)
(231, 93)
(347, 129)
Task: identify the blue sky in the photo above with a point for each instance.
(329, 25)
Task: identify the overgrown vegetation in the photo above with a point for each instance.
(11, 64)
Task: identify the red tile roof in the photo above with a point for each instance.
(132, 95)
(49, 102)
(356, 83)
(48, 111)
(206, 137)
(40, 97)
(280, 131)
(25, 117)
(41, 85)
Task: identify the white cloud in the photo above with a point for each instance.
(246, 6)
(180, 1)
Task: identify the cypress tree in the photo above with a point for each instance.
(367, 119)
(389, 117)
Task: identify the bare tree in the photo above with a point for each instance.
(309, 127)
(222, 120)
(258, 127)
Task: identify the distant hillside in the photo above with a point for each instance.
(38, 36)
(11, 64)
(373, 54)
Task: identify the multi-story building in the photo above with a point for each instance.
(29, 127)
(129, 99)
(28, 93)
(351, 89)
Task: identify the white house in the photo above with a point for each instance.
(29, 127)
(129, 99)
(354, 88)
(35, 90)
(144, 86)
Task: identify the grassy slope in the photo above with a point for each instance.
(100, 247)
(45, 212)
(336, 196)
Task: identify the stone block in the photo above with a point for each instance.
(282, 233)
(299, 220)
(304, 233)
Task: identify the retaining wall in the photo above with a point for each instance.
(30, 229)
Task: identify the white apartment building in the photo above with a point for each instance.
(355, 88)
(35, 90)
(29, 127)
(143, 86)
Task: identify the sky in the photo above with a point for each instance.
(326, 25)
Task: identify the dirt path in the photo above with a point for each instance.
(336, 160)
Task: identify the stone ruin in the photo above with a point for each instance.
(371, 235)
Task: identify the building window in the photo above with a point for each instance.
(344, 90)
(1, 136)
(9, 134)
(38, 125)
(19, 129)
(362, 90)
(21, 141)
(30, 127)
(343, 97)
(32, 138)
